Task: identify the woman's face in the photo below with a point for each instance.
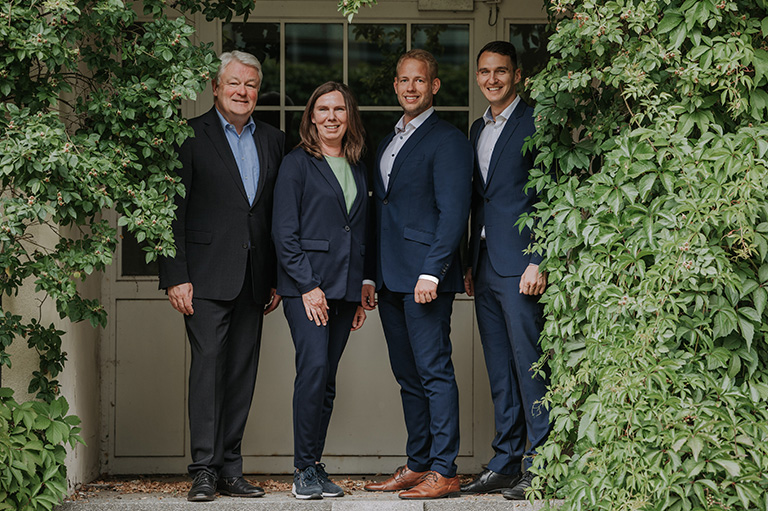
(330, 117)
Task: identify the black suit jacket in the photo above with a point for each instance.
(217, 232)
(318, 243)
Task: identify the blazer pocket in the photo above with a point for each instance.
(315, 245)
(201, 237)
(418, 236)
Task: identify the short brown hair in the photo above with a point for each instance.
(353, 142)
(422, 55)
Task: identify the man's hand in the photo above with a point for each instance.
(368, 297)
(359, 318)
(425, 291)
(469, 285)
(533, 282)
(180, 297)
(274, 301)
(315, 306)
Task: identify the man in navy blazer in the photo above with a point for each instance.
(422, 193)
(504, 279)
(223, 276)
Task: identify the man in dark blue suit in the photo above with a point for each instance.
(422, 193)
(504, 279)
(223, 276)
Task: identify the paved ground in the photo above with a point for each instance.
(169, 494)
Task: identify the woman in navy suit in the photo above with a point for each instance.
(318, 226)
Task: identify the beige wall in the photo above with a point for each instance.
(80, 378)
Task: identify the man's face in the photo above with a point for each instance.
(236, 93)
(497, 78)
(414, 88)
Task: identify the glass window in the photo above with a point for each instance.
(450, 46)
(133, 256)
(373, 53)
(313, 55)
(530, 41)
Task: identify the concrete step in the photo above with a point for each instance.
(283, 501)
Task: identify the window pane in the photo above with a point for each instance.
(292, 123)
(450, 46)
(313, 56)
(373, 53)
(530, 41)
(263, 41)
(132, 257)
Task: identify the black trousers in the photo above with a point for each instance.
(318, 351)
(225, 337)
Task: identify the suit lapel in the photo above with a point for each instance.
(359, 176)
(506, 133)
(261, 149)
(330, 177)
(410, 144)
(377, 178)
(215, 133)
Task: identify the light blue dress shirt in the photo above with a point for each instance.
(244, 150)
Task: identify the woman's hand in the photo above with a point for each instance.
(315, 306)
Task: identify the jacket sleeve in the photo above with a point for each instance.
(452, 182)
(286, 223)
(173, 270)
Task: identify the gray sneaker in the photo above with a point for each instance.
(330, 489)
(306, 485)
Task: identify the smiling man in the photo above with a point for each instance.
(223, 276)
(504, 279)
(421, 194)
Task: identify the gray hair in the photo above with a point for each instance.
(244, 58)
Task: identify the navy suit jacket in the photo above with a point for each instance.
(215, 225)
(318, 243)
(422, 215)
(498, 203)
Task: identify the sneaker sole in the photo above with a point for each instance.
(329, 494)
(311, 496)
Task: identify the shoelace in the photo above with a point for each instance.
(321, 473)
(308, 476)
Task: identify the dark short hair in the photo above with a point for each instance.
(422, 55)
(353, 142)
(502, 48)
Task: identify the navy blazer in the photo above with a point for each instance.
(215, 225)
(498, 203)
(422, 215)
(318, 243)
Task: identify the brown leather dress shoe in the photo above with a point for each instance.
(403, 479)
(433, 486)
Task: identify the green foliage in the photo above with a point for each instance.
(89, 116)
(349, 8)
(654, 219)
(32, 440)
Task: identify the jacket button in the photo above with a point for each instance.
(250, 214)
(487, 200)
(245, 245)
(346, 228)
(385, 201)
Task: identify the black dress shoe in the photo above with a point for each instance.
(490, 482)
(203, 487)
(517, 492)
(238, 487)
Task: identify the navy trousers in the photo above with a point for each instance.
(224, 337)
(510, 324)
(318, 351)
(420, 355)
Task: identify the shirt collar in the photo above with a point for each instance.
(415, 122)
(504, 115)
(250, 126)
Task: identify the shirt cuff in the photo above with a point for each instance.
(429, 278)
(369, 282)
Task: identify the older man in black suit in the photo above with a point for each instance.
(223, 275)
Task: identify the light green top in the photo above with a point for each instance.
(343, 172)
